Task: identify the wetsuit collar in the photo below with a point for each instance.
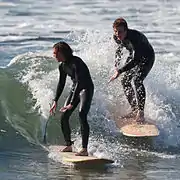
(69, 60)
(126, 35)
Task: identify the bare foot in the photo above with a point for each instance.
(140, 117)
(83, 152)
(67, 149)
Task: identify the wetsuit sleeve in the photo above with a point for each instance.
(131, 64)
(118, 56)
(61, 83)
(118, 53)
(77, 88)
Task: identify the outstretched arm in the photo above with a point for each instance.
(130, 64)
(131, 61)
(77, 89)
(118, 57)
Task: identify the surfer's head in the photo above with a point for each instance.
(120, 28)
(62, 51)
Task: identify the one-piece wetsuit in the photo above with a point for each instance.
(138, 64)
(81, 92)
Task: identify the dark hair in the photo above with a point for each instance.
(120, 22)
(64, 48)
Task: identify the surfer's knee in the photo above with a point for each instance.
(65, 116)
(83, 120)
(82, 115)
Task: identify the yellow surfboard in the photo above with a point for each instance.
(69, 157)
(129, 127)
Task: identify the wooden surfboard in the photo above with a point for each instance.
(129, 127)
(69, 157)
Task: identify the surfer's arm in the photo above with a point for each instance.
(61, 83)
(77, 87)
(131, 62)
(118, 53)
(118, 57)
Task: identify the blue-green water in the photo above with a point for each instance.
(29, 75)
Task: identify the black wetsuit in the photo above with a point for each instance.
(82, 91)
(138, 64)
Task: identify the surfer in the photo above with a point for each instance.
(81, 92)
(138, 65)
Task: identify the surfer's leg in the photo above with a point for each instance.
(142, 72)
(128, 90)
(85, 103)
(65, 123)
(141, 96)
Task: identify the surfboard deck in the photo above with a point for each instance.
(129, 127)
(69, 157)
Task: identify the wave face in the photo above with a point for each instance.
(29, 83)
(29, 75)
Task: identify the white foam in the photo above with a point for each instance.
(97, 51)
(94, 44)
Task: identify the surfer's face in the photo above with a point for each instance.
(120, 32)
(58, 55)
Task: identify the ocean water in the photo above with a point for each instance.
(29, 75)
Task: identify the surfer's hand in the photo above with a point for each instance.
(53, 108)
(116, 74)
(68, 107)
